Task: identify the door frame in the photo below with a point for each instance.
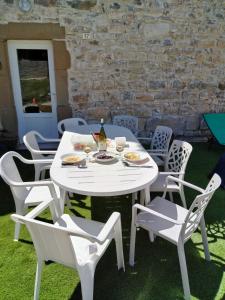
(13, 45)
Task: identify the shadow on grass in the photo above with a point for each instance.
(26, 241)
(156, 274)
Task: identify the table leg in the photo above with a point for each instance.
(142, 197)
(147, 195)
(62, 199)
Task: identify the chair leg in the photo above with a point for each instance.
(38, 279)
(132, 244)
(182, 196)
(134, 197)
(67, 200)
(171, 196)
(36, 176)
(37, 173)
(17, 231)
(62, 200)
(87, 274)
(119, 246)
(204, 239)
(147, 196)
(43, 174)
(142, 197)
(151, 236)
(70, 194)
(184, 272)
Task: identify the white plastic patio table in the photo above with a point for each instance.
(100, 179)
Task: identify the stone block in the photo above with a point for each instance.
(221, 86)
(156, 84)
(177, 84)
(167, 42)
(82, 4)
(97, 113)
(197, 84)
(177, 123)
(46, 2)
(81, 99)
(192, 123)
(127, 95)
(155, 30)
(146, 97)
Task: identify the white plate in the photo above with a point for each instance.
(65, 158)
(111, 157)
(143, 157)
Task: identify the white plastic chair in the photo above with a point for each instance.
(159, 144)
(129, 122)
(31, 142)
(25, 194)
(175, 223)
(70, 124)
(74, 242)
(176, 162)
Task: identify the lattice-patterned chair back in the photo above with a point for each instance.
(161, 138)
(129, 122)
(198, 207)
(178, 157)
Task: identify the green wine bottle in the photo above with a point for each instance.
(102, 138)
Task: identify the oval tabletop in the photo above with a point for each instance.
(103, 179)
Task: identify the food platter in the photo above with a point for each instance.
(135, 157)
(71, 158)
(104, 157)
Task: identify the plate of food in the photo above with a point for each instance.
(72, 159)
(104, 157)
(135, 157)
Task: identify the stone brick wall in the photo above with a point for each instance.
(160, 60)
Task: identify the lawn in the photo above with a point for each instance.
(156, 274)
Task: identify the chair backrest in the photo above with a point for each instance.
(129, 122)
(161, 138)
(30, 140)
(10, 174)
(70, 124)
(198, 207)
(178, 157)
(51, 242)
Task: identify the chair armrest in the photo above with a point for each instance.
(38, 209)
(45, 167)
(47, 139)
(43, 151)
(51, 140)
(32, 183)
(156, 153)
(152, 212)
(171, 173)
(190, 185)
(53, 203)
(36, 161)
(104, 233)
(108, 227)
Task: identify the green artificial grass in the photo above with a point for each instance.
(156, 274)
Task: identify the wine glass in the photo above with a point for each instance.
(87, 150)
(119, 148)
